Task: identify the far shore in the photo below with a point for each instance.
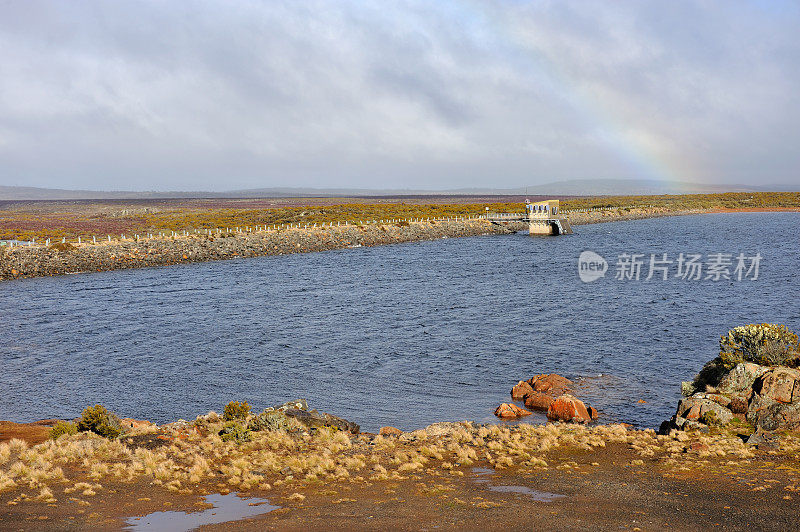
(72, 257)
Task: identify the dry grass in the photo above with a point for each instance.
(192, 462)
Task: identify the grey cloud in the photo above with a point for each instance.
(220, 95)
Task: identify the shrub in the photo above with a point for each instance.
(710, 375)
(100, 421)
(765, 344)
(236, 410)
(688, 388)
(269, 421)
(234, 431)
(63, 427)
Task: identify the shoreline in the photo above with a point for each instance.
(39, 261)
(451, 476)
(305, 470)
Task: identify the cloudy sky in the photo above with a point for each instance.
(170, 95)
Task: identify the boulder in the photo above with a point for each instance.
(298, 404)
(551, 384)
(390, 431)
(694, 425)
(510, 411)
(722, 400)
(779, 384)
(675, 423)
(686, 406)
(538, 401)
(763, 439)
(593, 413)
(740, 379)
(519, 391)
(313, 419)
(768, 414)
(694, 408)
(568, 408)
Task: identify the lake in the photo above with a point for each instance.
(401, 335)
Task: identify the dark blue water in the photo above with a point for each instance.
(402, 335)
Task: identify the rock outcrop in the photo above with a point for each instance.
(549, 392)
(539, 391)
(311, 418)
(766, 398)
(739, 381)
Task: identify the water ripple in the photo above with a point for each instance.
(400, 335)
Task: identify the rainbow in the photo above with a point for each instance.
(647, 155)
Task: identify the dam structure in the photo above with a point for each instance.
(543, 218)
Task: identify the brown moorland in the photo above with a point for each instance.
(25, 220)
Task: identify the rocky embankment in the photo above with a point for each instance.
(758, 401)
(621, 215)
(58, 259)
(40, 261)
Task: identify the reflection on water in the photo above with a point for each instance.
(226, 508)
(401, 335)
(536, 495)
(484, 476)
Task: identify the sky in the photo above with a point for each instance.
(223, 95)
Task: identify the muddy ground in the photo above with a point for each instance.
(608, 487)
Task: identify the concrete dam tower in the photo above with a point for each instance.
(545, 218)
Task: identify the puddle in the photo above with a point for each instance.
(483, 474)
(226, 508)
(540, 496)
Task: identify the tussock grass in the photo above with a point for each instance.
(46, 495)
(299, 458)
(17, 445)
(5, 453)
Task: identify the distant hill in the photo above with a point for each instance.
(575, 187)
(616, 187)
